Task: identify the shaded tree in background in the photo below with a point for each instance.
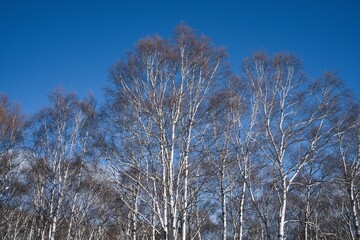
(11, 187)
(61, 156)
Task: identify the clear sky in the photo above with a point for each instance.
(46, 44)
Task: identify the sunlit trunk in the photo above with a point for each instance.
(354, 210)
(241, 212)
(282, 213)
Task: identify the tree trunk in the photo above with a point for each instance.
(134, 218)
(241, 212)
(354, 210)
(223, 208)
(282, 212)
(184, 218)
(307, 213)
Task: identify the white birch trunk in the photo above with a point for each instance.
(354, 210)
(224, 212)
(307, 213)
(186, 183)
(282, 213)
(354, 201)
(134, 218)
(165, 196)
(241, 213)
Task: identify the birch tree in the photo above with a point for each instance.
(11, 188)
(163, 86)
(233, 120)
(244, 111)
(347, 151)
(294, 119)
(220, 157)
(60, 150)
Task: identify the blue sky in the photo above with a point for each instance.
(46, 44)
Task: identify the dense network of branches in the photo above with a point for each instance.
(183, 148)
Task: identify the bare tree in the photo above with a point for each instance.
(244, 109)
(161, 89)
(61, 148)
(293, 117)
(11, 187)
(183, 149)
(347, 151)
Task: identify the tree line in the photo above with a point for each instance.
(183, 148)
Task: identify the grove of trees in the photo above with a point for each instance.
(183, 148)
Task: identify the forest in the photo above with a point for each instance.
(184, 148)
